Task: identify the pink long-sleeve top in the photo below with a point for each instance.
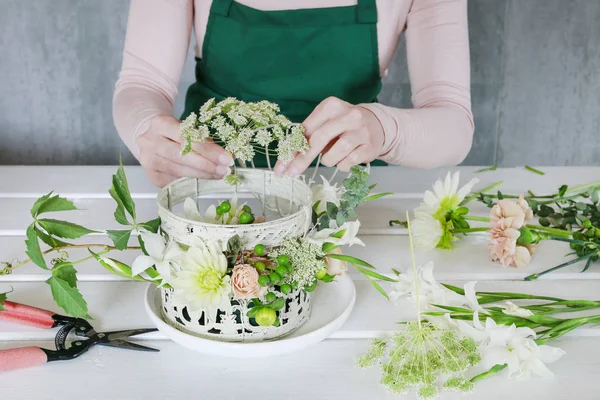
(438, 131)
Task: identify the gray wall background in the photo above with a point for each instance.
(535, 81)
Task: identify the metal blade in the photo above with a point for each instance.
(122, 344)
(115, 335)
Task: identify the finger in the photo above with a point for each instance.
(170, 129)
(172, 168)
(160, 179)
(342, 147)
(321, 137)
(328, 109)
(361, 154)
(170, 150)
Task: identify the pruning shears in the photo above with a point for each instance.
(30, 356)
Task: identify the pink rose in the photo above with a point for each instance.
(334, 266)
(244, 280)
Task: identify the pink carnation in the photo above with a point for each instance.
(506, 218)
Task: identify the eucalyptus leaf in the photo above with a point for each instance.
(64, 229)
(68, 298)
(56, 203)
(33, 248)
(120, 238)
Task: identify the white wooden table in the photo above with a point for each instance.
(324, 371)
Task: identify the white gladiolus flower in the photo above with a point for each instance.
(326, 193)
(160, 254)
(503, 344)
(349, 229)
(202, 282)
(513, 309)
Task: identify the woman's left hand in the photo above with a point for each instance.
(346, 134)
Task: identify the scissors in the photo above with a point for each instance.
(31, 356)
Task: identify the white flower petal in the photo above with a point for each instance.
(466, 189)
(154, 244)
(190, 211)
(141, 263)
(164, 269)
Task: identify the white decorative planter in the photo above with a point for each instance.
(287, 202)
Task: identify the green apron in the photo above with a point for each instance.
(295, 58)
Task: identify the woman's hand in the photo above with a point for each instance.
(160, 154)
(346, 134)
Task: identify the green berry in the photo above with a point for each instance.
(247, 209)
(283, 259)
(265, 316)
(572, 246)
(311, 287)
(264, 280)
(281, 270)
(590, 233)
(259, 249)
(598, 233)
(285, 289)
(271, 297)
(289, 268)
(274, 277)
(294, 285)
(225, 206)
(321, 274)
(245, 218)
(219, 210)
(587, 224)
(260, 266)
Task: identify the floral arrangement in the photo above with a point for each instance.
(244, 129)
(570, 215)
(460, 336)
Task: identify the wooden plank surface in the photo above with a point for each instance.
(324, 371)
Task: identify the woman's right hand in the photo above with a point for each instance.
(161, 159)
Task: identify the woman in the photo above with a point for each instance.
(320, 60)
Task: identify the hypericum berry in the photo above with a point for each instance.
(260, 266)
(311, 287)
(264, 280)
(219, 210)
(245, 218)
(281, 270)
(285, 289)
(283, 259)
(265, 316)
(274, 277)
(247, 209)
(259, 249)
(270, 297)
(587, 224)
(598, 233)
(321, 274)
(225, 206)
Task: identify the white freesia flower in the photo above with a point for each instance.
(349, 229)
(504, 344)
(325, 193)
(513, 309)
(429, 227)
(430, 291)
(160, 254)
(202, 282)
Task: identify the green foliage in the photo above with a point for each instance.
(51, 204)
(120, 238)
(33, 248)
(152, 225)
(356, 187)
(235, 247)
(49, 240)
(68, 297)
(2, 300)
(65, 271)
(422, 355)
(120, 192)
(64, 229)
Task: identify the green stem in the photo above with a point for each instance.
(580, 187)
(494, 370)
(534, 170)
(560, 199)
(470, 230)
(475, 218)
(533, 277)
(482, 191)
(554, 231)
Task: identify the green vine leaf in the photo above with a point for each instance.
(2, 300)
(56, 203)
(120, 238)
(152, 225)
(67, 272)
(68, 298)
(38, 203)
(120, 216)
(33, 248)
(64, 229)
(49, 240)
(120, 191)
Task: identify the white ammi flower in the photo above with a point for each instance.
(507, 344)
(348, 231)
(202, 282)
(160, 254)
(326, 193)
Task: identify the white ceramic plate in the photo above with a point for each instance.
(331, 306)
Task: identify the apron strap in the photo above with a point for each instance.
(221, 7)
(366, 12)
